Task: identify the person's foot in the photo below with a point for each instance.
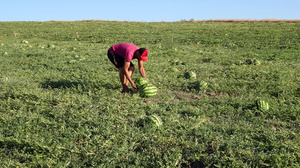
(126, 91)
(125, 88)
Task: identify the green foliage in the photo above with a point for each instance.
(61, 103)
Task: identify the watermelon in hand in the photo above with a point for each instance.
(140, 82)
(147, 90)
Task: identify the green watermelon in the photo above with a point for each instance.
(190, 75)
(262, 105)
(249, 61)
(201, 85)
(256, 62)
(175, 62)
(154, 120)
(140, 82)
(51, 46)
(148, 90)
(24, 42)
(173, 69)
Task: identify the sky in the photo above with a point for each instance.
(147, 10)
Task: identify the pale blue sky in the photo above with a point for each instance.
(147, 10)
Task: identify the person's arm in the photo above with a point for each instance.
(142, 70)
(126, 67)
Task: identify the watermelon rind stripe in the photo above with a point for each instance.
(157, 119)
(262, 105)
(153, 119)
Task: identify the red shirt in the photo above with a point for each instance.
(125, 50)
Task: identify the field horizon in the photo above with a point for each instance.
(182, 20)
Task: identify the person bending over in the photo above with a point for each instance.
(121, 55)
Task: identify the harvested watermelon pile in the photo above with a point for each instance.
(145, 89)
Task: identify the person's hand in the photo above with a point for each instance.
(133, 85)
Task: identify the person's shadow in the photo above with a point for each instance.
(60, 84)
(64, 84)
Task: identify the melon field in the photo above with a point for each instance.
(61, 103)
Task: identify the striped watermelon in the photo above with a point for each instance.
(148, 90)
(201, 85)
(154, 120)
(190, 75)
(140, 82)
(262, 105)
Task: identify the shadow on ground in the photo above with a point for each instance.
(60, 84)
(64, 84)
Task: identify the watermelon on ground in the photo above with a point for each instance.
(201, 85)
(256, 62)
(51, 46)
(190, 75)
(173, 69)
(262, 105)
(175, 63)
(154, 120)
(147, 90)
(249, 61)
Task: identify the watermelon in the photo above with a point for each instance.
(148, 90)
(262, 105)
(201, 85)
(256, 62)
(249, 61)
(173, 69)
(154, 120)
(140, 82)
(175, 63)
(24, 42)
(51, 46)
(190, 75)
